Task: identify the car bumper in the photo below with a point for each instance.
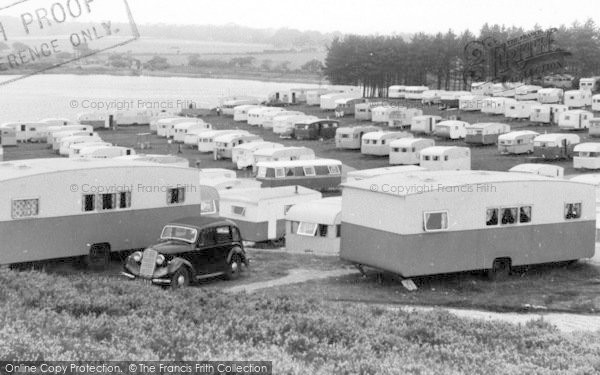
(158, 281)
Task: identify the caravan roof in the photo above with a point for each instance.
(257, 195)
(374, 172)
(325, 211)
(258, 145)
(557, 137)
(271, 151)
(380, 134)
(514, 135)
(438, 150)
(587, 147)
(297, 163)
(441, 180)
(484, 125)
(406, 142)
(593, 179)
(548, 170)
(32, 167)
(226, 138)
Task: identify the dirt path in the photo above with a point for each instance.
(564, 322)
(295, 276)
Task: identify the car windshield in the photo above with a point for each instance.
(172, 232)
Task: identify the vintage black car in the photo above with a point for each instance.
(190, 249)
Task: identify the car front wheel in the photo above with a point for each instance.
(234, 268)
(180, 279)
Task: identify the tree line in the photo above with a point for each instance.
(377, 62)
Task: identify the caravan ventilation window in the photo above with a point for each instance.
(176, 195)
(237, 210)
(89, 203)
(107, 201)
(436, 221)
(572, 211)
(307, 229)
(309, 171)
(24, 208)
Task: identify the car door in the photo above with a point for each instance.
(201, 259)
(223, 246)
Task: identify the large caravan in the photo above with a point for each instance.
(313, 96)
(596, 103)
(285, 124)
(243, 155)
(318, 174)
(364, 111)
(70, 217)
(260, 213)
(586, 156)
(58, 129)
(486, 133)
(94, 119)
(66, 143)
(315, 129)
(402, 117)
(350, 138)
(282, 154)
(407, 151)
(345, 106)
(206, 140)
(328, 101)
(471, 102)
(594, 127)
(75, 150)
(397, 92)
(547, 113)
(451, 129)
(494, 106)
(424, 124)
(28, 131)
(256, 116)
(378, 143)
(415, 92)
(224, 144)
(527, 92)
(361, 174)
(540, 169)
(575, 119)
(578, 98)
(555, 145)
(165, 127)
(381, 114)
(314, 226)
(451, 99)
(181, 130)
(550, 96)
(104, 152)
(468, 220)
(518, 110)
(517, 142)
(228, 105)
(445, 158)
(268, 121)
(57, 137)
(240, 113)
(590, 84)
(8, 137)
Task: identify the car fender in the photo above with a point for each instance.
(177, 263)
(237, 250)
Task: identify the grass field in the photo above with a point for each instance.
(81, 317)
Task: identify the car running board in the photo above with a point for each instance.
(209, 275)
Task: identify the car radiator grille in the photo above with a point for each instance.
(148, 263)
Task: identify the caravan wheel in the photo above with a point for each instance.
(500, 269)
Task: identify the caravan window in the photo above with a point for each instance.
(262, 173)
(572, 211)
(286, 208)
(89, 202)
(107, 201)
(208, 207)
(279, 173)
(309, 171)
(491, 217)
(307, 229)
(176, 195)
(509, 215)
(338, 231)
(435, 221)
(525, 214)
(237, 210)
(334, 169)
(290, 172)
(323, 230)
(24, 208)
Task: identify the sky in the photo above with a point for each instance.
(367, 16)
(347, 16)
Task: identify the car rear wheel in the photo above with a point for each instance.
(235, 267)
(181, 278)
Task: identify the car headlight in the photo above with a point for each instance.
(160, 260)
(137, 256)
